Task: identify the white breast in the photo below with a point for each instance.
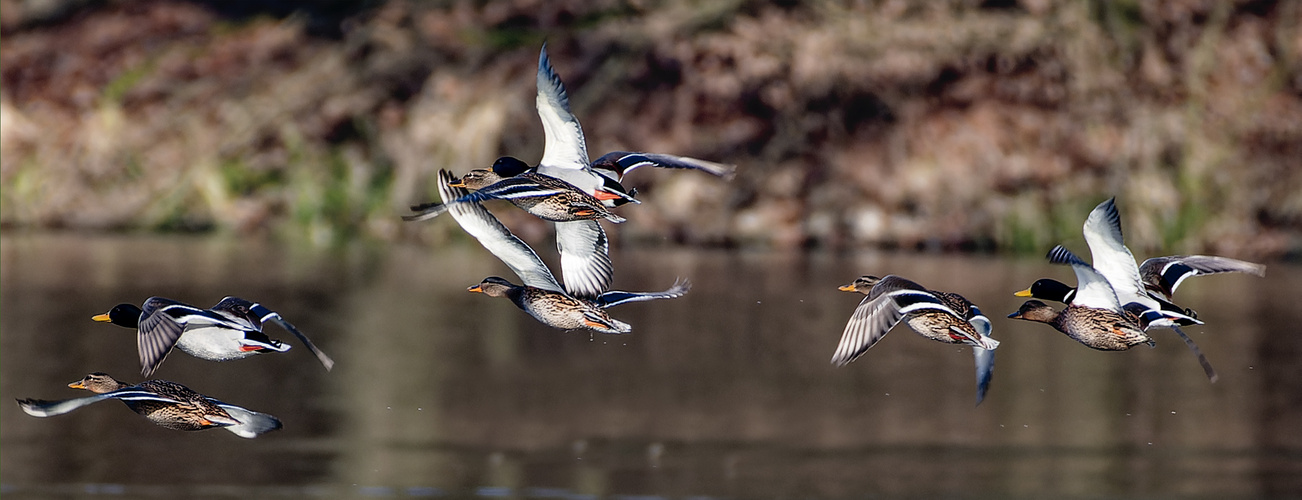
(213, 344)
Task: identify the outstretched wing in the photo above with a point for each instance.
(506, 189)
(878, 313)
(1092, 289)
(585, 258)
(564, 146)
(497, 239)
(984, 358)
(42, 408)
(1164, 274)
(265, 315)
(1111, 257)
(162, 321)
(615, 297)
(617, 164)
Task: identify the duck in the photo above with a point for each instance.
(232, 329)
(1094, 317)
(559, 310)
(540, 294)
(165, 403)
(1114, 261)
(565, 153)
(546, 197)
(1150, 285)
(941, 316)
(1057, 291)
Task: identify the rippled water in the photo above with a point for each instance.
(726, 392)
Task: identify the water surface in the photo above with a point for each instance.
(726, 392)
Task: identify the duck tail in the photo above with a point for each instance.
(248, 423)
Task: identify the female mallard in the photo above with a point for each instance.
(1150, 285)
(544, 196)
(167, 404)
(1094, 317)
(940, 316)
(541, 295)
(232, 329)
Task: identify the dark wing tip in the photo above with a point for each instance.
(1111, 214)
(1061, 255)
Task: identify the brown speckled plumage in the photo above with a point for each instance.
(1096, 328)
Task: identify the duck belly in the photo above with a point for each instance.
(570, 315)
(552, 211)
(214, 344)
(934, 327)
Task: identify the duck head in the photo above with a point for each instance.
(863, 284)
(127, 315)
(477, 179)
(1034, 310)
(509, 166)
(98, 383)
(492, 286)
(1049, 289)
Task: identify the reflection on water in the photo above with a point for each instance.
(726, 392)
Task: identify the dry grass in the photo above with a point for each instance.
(912, 124)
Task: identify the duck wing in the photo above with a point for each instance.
(43, 408)
(265, 315)
(162, 321)
(564, 147)
(984, 358)
(1111, 257)
(615, 297)
(585, 258)
(1092, 288)
(617, 164)
(497, 239)
(886, 304)
(511, 188)
(1164, 274)
(230, 312)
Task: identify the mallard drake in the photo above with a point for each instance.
(1057, 291)
(1115, 262)
(544, 196)
(565, 153)
(1094, 316)
(1150, 285)
(541, 295)
(167, 404)
(941, 316)
(232, 329)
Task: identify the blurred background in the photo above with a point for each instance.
(957, 125)
(265, 149)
